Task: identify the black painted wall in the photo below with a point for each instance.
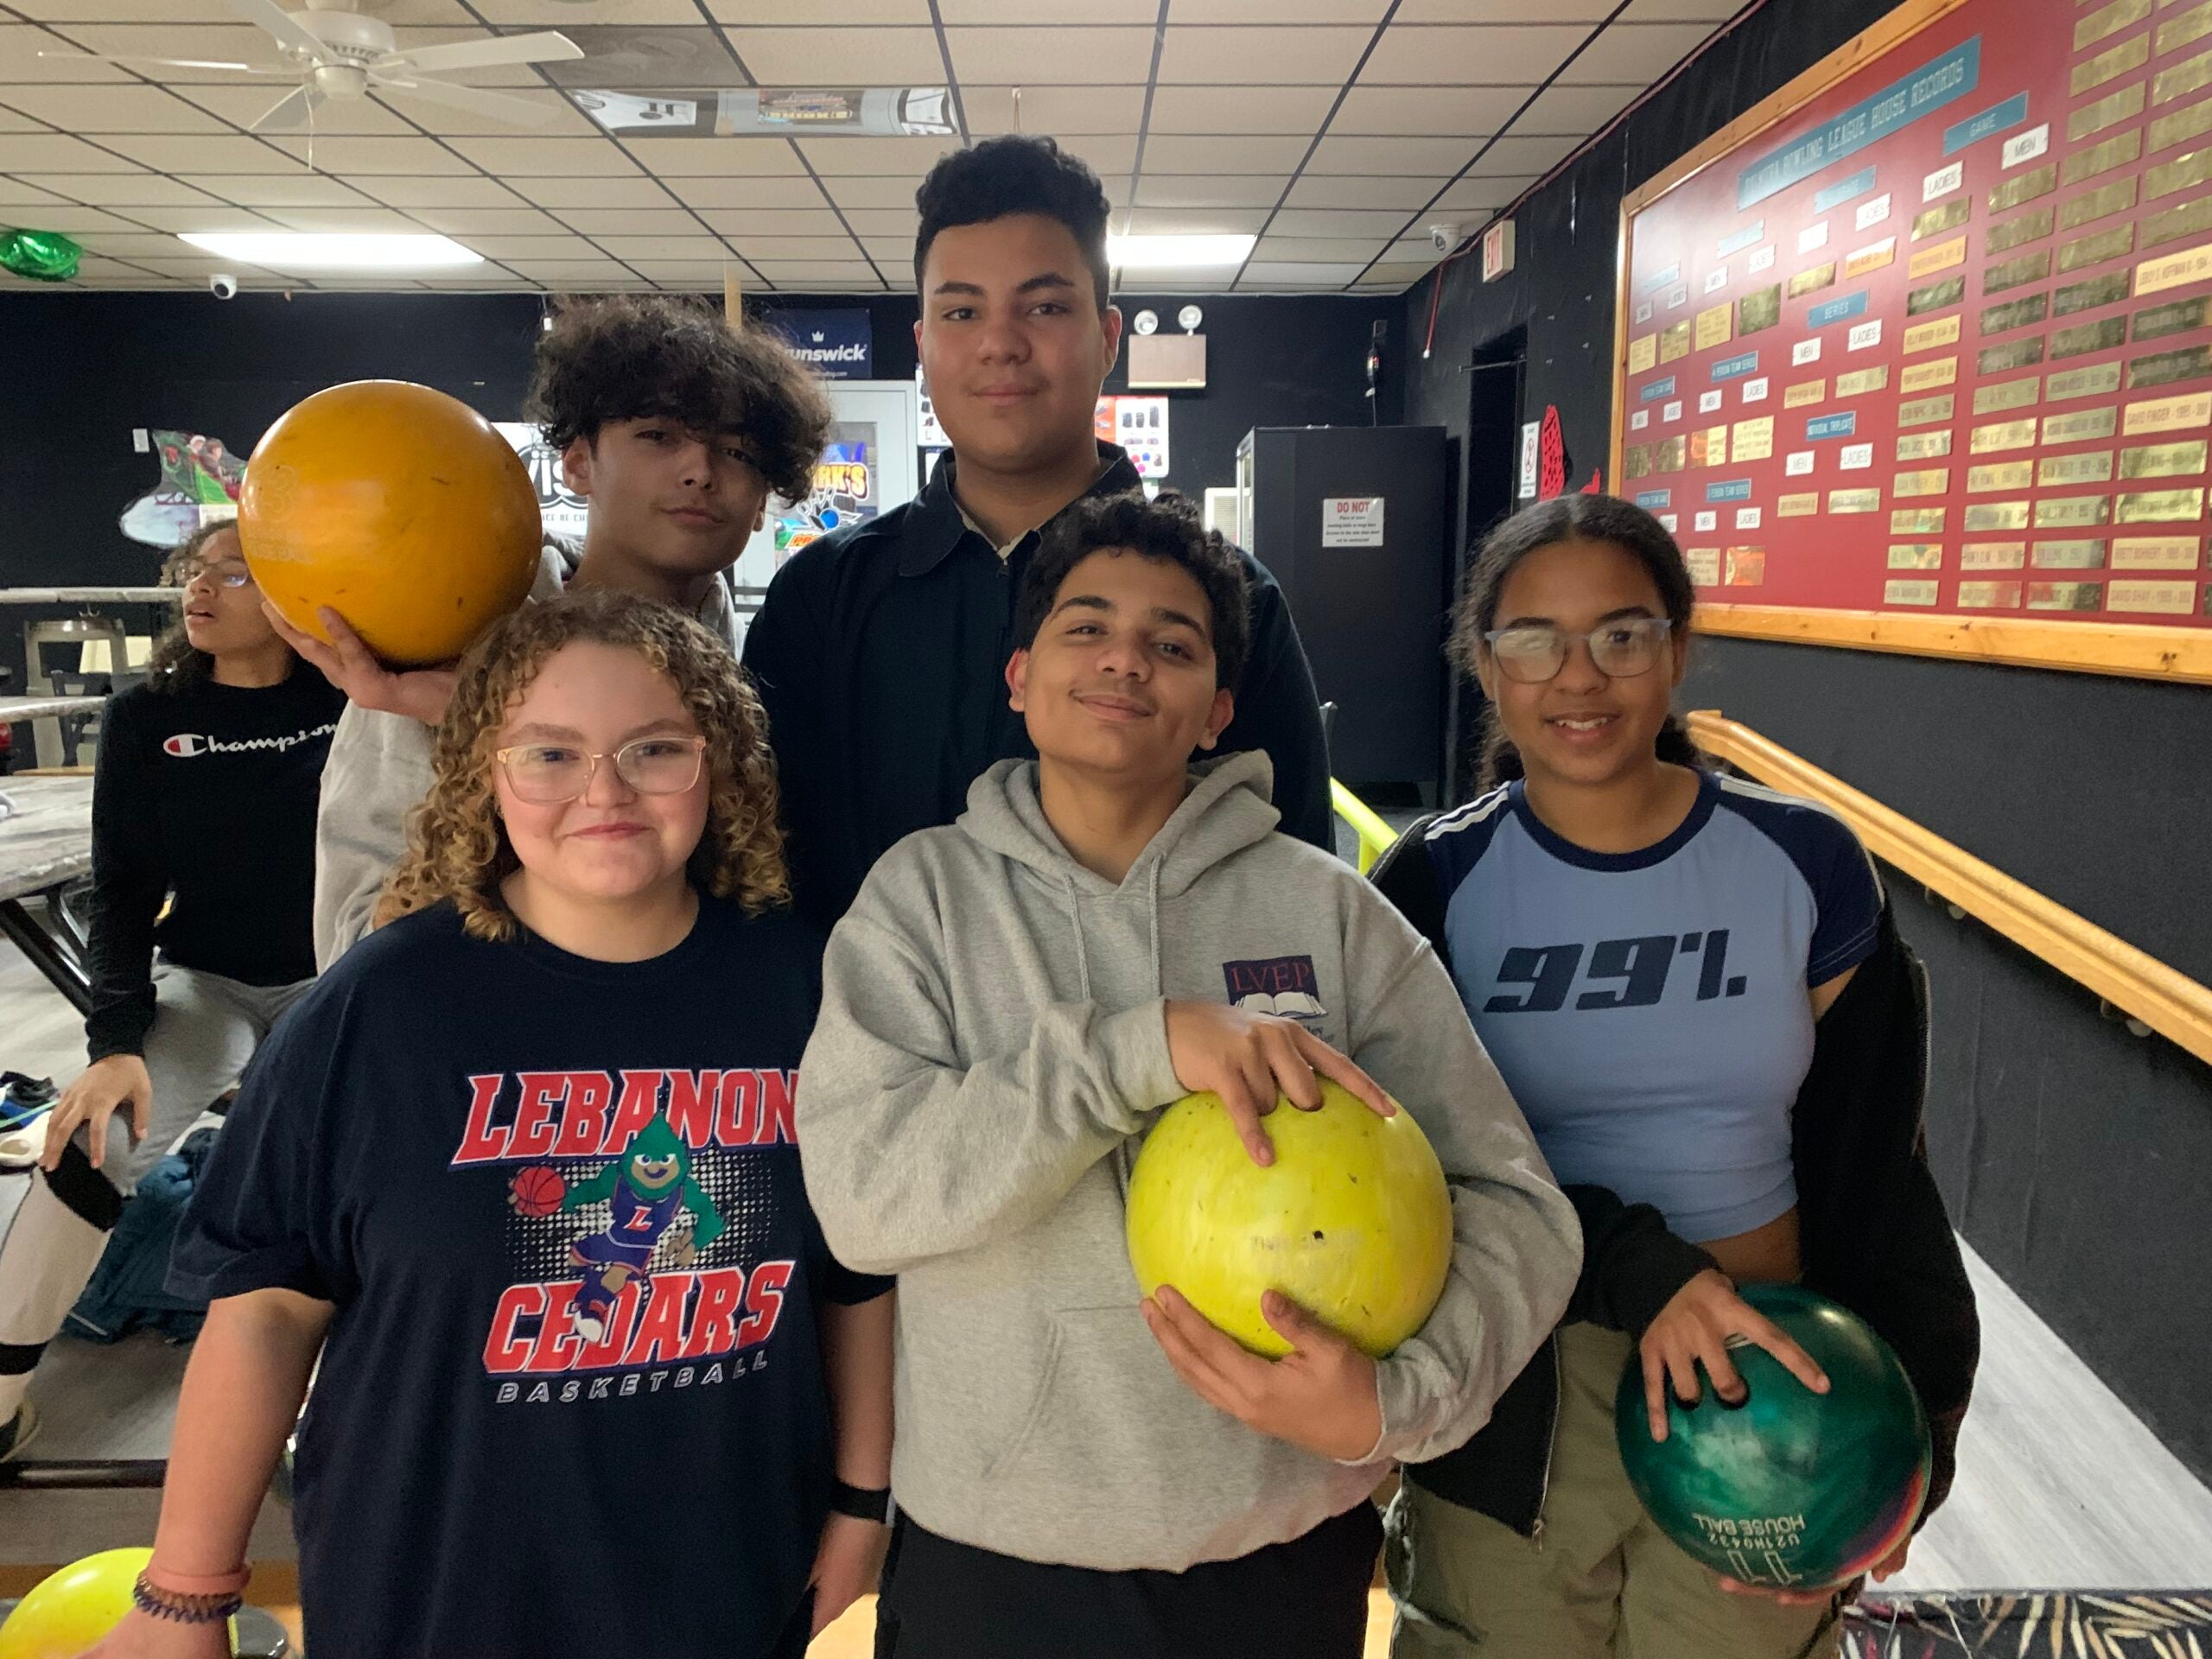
(2077, 1159)
(86, 368)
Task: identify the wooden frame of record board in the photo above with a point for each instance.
(2143, 650)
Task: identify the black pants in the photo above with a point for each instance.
(1305, 1600)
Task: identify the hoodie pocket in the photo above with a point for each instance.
(1108, 1416)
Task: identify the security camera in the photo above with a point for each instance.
(1444, 237)
(223, 286)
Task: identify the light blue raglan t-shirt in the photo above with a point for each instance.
(1649, 1009)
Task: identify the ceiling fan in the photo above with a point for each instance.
(335, 52)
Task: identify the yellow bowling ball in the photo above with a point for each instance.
(69, 1611)
(1352, 1221)
(402, 509)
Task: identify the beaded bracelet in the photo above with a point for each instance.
(212, 1609)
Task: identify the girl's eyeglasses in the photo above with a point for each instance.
(1622, 650)
(547, 774)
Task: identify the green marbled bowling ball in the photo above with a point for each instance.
(1790, 1489)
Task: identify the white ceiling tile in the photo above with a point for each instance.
(11, 122)
(1283, 12)
(884, 221)
(894, 254)
(1198, 190)
(1428, 111)
(1428, 156)
(1347, 223)
(236, 42)
(771, 221)
(851, 13)
(1240, 109)
(1263, 55)
(793, 248)
(206, 157)
(1510, 54)
(1413, 250)
(1637, 53)
(1507, 11)
(16, 194)
(1515, 156)
(1486, 191)
(110, 109)
(1158, 221)
(188, 263)
(115, 11)
(411, 157)
(1354, 190)
(57, 152)
(671, 158)
(487, 221)
(129, 242)
(1319, 276)
(635, 191)
(836, 277)
(1669, 11)
(1328, 250)
(1108, 155)
(1578, 109)
(472, 190)
(542, 249)
(660, 56)
(1393, 277)
(513, 158)
(629, 221)
(684, 276)
(887, 192)
(1062, 55)
(1221, 152)
(845, 57)
(180, 219)
(885, 157)
(634, 250)
(1061, 111)
(79, 222)
(562, 118)
(120, 189)
(1197, 279)
(325, 219)
(20, 46)
(242, 106)
(567, 270)
(1060, 11)
(285, 190)
(748, 193)
(558, 14)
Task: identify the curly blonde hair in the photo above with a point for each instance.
(457, 848)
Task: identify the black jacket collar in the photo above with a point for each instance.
(936, 525)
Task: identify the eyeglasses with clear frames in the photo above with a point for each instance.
(548, 774)
(227, 573)
(1621, 650)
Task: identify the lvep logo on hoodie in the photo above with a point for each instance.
(1284, 986)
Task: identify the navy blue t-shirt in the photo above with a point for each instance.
(572, 1399)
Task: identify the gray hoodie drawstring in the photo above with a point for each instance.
(1083, 956)
(1159, 968)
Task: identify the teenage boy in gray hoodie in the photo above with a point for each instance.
(1009, 1001)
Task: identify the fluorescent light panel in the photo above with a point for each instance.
(1176, 252)
(333, 251)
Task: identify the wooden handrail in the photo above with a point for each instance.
(2170, 1003)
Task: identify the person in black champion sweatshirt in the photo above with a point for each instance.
(203, 798)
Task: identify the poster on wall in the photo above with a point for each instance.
(1954, 361)
(1139, 426)
(559, 510)
(199, 485)
(838, 345)
(847, 490)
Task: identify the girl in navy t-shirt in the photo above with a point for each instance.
(522, 1167)
(1656, 957)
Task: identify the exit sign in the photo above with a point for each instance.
(1497, 250)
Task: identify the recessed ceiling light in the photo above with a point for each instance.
(334, 250)
(1164, 252)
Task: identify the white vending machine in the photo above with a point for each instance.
(872, 462)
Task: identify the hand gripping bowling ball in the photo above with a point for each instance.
(402, 509)
(1351, 1221)
(1790, 1489)
(70, 1610)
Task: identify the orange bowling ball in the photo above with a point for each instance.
(402, 509)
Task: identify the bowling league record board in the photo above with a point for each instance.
(1918, 355)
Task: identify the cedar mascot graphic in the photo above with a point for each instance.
(645, 1186)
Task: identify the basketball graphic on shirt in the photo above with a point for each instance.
(538, 1189)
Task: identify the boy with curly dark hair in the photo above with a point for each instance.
(880, 649)
(677, 430)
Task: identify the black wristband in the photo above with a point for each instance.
(861, 1502)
